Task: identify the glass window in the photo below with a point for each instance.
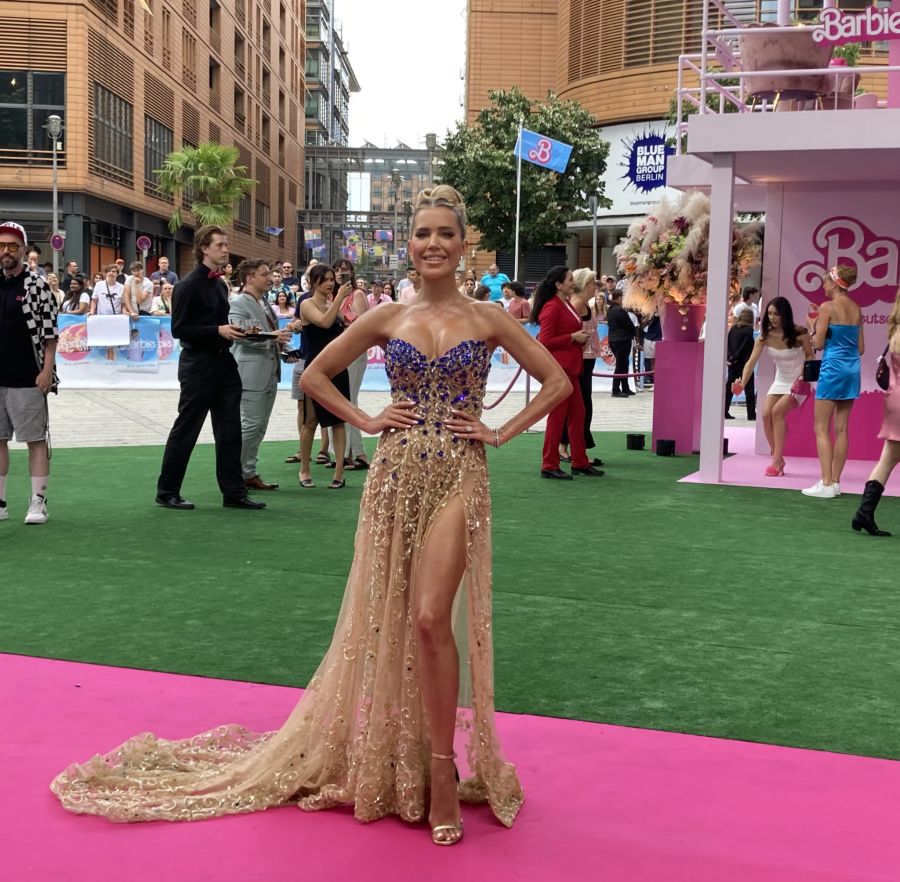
(26, 100)
(13, 87)
(49, 89)
(158, 144)
(13, 129)
(113, 135)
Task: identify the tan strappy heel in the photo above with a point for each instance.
(452, 832)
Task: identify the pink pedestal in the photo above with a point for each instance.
(865, 423)
(682, 324)
(678, 384)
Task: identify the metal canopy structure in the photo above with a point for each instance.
(327, 169)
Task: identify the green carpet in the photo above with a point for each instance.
(632, 599)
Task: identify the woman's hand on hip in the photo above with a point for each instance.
(467, 426)
(397, 415)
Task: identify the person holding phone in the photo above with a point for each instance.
(321, 323)
(357, 304)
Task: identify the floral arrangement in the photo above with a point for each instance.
(665, 255)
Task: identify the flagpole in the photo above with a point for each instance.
(518, 195)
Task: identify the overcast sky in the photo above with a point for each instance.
(408, 56)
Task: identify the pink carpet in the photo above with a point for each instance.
(603, 802)
(747, 469)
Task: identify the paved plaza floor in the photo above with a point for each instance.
(103, 418)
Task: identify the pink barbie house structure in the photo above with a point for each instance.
(823, 163)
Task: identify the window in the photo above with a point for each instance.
(244, 210)
(262, 220)
(166, 39)
(240, 108)
(239, 54)
(215, 79)
(312, 105)
(26, 100)
(312, 65)
(158, 144)
(113, 136)
(188, 60)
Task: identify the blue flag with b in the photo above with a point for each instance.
(543, 151)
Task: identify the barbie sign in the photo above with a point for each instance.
(846, 240)
(837, 27)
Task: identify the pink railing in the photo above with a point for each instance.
(717, 73)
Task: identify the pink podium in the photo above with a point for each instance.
(677, 392)
(865, 423)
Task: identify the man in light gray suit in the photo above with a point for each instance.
(258, 363)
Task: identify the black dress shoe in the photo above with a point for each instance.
(242, 502)
(174, 502)
(596, 461)
(558, 474)
(589, 472)
(619, 394)
(728, 416)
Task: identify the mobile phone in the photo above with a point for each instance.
(345, 277)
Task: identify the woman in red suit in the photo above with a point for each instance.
(562, 334)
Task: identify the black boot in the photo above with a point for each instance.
(864, 519)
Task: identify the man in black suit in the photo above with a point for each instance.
(210, 383)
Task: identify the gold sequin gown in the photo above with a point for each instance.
(359, 734)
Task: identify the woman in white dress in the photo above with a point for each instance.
(789, 347)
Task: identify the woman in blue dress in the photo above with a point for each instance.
(838, 331)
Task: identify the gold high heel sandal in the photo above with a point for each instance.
(452, 832)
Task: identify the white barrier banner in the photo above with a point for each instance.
(147, 358)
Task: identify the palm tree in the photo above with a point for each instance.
(209, 180)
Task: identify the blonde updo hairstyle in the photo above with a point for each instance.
(842, 277)
(582, 278)
(443, 196)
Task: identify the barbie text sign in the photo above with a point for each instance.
(848, 240)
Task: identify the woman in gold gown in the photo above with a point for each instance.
(409, 673)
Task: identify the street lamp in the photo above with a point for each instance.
(395, 195)
(54, 127)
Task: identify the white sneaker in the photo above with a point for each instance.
(37, 510)
(837, 488)
(820, 491)
(4, 511)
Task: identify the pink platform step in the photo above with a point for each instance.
(747, 469)
(603, 802)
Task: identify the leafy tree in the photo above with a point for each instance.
(209, 180)
(478, 160)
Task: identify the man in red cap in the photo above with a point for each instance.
(27, 366)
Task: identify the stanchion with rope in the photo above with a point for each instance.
(518, 374)
(508, 389)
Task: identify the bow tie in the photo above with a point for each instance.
(215, 274)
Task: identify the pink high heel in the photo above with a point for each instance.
(772, 472)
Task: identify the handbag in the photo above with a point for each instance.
(883, 370)
(801, 388)
(811, 369)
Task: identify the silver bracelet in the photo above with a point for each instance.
(497, 438)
